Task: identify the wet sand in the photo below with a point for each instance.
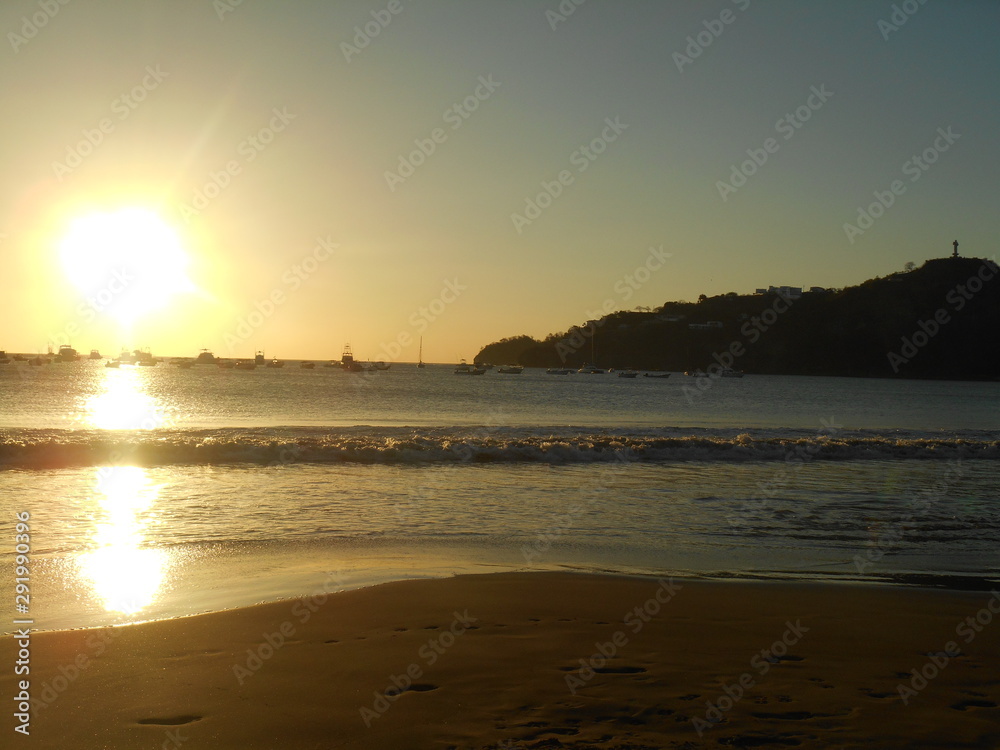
(534, 660)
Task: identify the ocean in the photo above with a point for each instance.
(158, 492)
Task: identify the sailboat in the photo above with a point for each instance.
(420, 355)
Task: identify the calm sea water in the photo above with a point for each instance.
(156, 492)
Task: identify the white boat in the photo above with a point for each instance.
(112, 363)
(510, 369)
(589, 369)
(275, 363)
(464, 368)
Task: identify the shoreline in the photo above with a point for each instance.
(197, 594)
(539, 659)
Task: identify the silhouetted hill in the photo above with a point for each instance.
(941, 320)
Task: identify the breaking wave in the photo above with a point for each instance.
(36, 449)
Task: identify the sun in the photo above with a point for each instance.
(127, 263)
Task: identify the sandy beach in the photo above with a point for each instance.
(534, 660)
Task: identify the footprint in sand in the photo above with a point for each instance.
(418, 687)
(171, 721)
(967, 704)
(618, 670)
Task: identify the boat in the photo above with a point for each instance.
(464, 368)
(347, 361)
(380, 365)
(728, 372)
(186, 364)
(695, 374)
(307, 365)
(113, 363)
(4, 359)
(244, 364)
(258, 358)
(144, 358)
(589, 369)
(39, 360)
(628, 374)
(205, 357)
(225, 364)
(67, 354)
(275, 363)
(19, 358)
(420, 354)
(661, 376)
(94, 354)
(558, 371)
(510, 369)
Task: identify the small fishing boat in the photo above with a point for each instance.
(114, 363)
(628, 374)
(589, 369)
(558, 371)
(660, 376)
(510, 369)
(307, 365)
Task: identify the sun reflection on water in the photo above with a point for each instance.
(125, 576)
(124, 403)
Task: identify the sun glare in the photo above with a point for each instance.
(125, 575)
(127, 263)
